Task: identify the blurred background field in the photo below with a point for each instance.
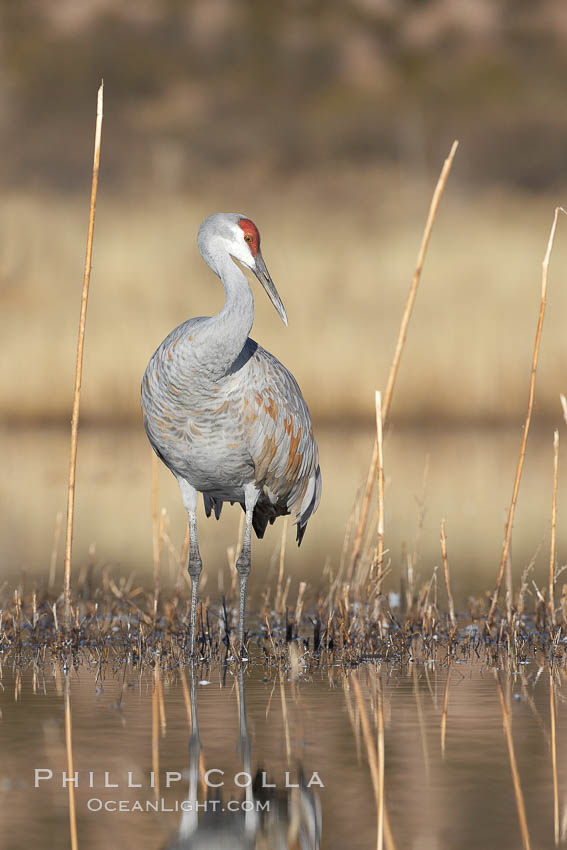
(327, 123)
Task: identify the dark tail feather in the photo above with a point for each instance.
(212, 504)
(301, 529)
(311, 507)
(260, 519)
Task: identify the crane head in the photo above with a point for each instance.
(252, 258)
(238, 236)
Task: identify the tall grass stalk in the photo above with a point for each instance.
(447, 576)
(444, 714)
(377, 784)
(552, 546)
(79, 363)
(514, 768)
(70, 764)
(400, 347)
(381, 757)
(155, 730)
(155, 527)
(380, 470)
(285, 721)
(554, 758)
(279, 596)
(421, 721)
(54, 550)
(526, 428)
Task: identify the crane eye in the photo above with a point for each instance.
(248, 238)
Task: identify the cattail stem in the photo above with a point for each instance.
(79, 364)
(525, 431)
(439, 188)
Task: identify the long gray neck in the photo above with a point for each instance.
(222, 337)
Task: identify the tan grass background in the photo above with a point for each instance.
(327, 124)
(341, 249)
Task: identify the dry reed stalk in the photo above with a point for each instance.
(352, 718)
(157, 561)
(564, 406)
(514, 768)
(374, 767)
(155, 514)
(70, 765)
(552, 547)
(380, 712)
(380, 467)
(79, 364)
(421, 503)
(161, 702)
(421, 721)
(285, 721)
(54, 550)
(444, 714)
(270, 638)
(346, 540)
(155, 731)
(278, 601)
(186, 697)
(299, 605)
(526, 428)
(509, 586)
(447, 577)
(554, 759)
(439, 188)
(285, 593)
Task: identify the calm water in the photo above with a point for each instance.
(456, 794)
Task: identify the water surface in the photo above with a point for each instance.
(443, 789)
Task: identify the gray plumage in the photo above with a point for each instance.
(224, 414)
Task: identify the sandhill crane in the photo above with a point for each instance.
(224, 415)
(286, 817)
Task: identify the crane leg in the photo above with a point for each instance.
(251, 494)
(189, 496)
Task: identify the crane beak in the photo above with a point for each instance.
(263, 276)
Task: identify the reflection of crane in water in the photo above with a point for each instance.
(225, 415)
(292, 820)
